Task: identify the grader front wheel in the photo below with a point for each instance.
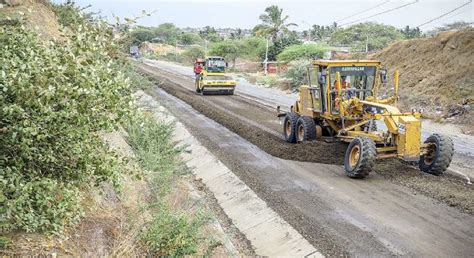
(439, 155)
(289, 127)
(360, 157)
(306, 130)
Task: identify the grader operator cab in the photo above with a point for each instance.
(211, 78)
(340, 101)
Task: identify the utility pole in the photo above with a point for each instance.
(205, 46)
(265, 62)
(367, 44)
(309, 30)
(176, 50)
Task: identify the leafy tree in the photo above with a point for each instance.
(210, 34)
(321, 32)
(282, 43)
(69, 13)
(379, 36)
(237, 34)
(252, 47)
(297, 52)
(297, 72)
(142, 34)
(274, 23)
(411, 33)
(227, 49)
(167, 33)
(190, 38)
(194, 52)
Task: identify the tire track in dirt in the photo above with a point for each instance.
(447, 189)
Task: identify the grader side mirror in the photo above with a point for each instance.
(321, 78)
(383, 76)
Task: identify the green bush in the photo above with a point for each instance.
(269, 80)
(194, 52)
(355, 36)
(227, 49)
(56, 97)
(297, 71)
(252, 47)
(169, 233)
(151, 142)
(172, 234)
(308, 51)
(190, 38)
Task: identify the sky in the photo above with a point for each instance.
(245, 13)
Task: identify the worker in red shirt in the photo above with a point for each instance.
(198, 67)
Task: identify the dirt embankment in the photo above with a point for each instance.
(446, 188)
(37, 14)
(436, 74)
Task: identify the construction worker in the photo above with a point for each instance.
(197, 68)
(344, 84)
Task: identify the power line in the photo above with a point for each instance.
(441, 16)
(455, 14)
(384, 12)
(364, 11)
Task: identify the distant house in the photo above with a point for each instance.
(339, 53)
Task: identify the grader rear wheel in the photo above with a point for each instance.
(360, 157)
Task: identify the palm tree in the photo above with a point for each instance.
(273, 23)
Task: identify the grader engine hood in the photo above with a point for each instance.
(409, 136)
(406, 127)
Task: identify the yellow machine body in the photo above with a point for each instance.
(346, 111)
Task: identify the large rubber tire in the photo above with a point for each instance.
(440, 157)
(305, 129)
(361, 164)
(289, 127)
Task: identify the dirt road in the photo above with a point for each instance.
(463, 161)
(396, 211)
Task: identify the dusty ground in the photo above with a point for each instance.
(261, 128)
(36, 13)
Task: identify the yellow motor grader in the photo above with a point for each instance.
(211, 78)
(340, 101)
